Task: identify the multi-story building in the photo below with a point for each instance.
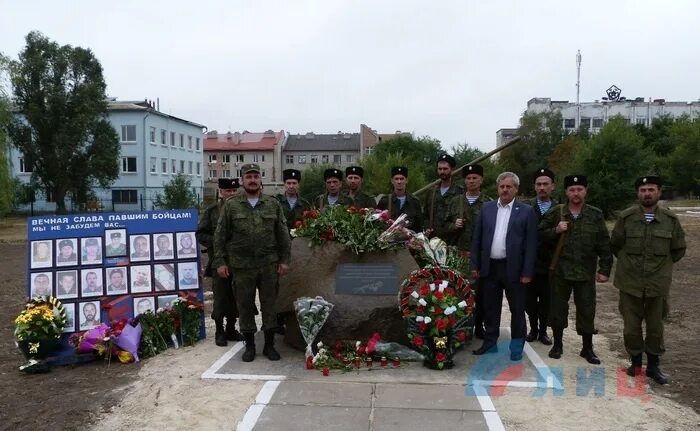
(224, 154)
(155, 147)
(369, 138)
(340, 150)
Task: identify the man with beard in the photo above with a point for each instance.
(333, 178)
(186, 246)
(438, 199)
(90, 314)
(586, 243)
(647, 241)
(141, 248)
(252, 244)
(354, 176)
(92, 285)
(292, 204)
(400, 202)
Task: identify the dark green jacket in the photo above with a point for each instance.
(411, 208)
(362, 200)
(459, 208)
(321, 201)
(293, 214)
(544, 250)
(205, 232)
(587, 243)
(436, 209)
(248, 237)
(646, 251)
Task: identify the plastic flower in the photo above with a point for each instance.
(462, 304)
(422, 302)
(420, 318)
(415, 294)
(427, 319)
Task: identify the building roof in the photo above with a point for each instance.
(323, 142)
(245, 141)
(144, 106)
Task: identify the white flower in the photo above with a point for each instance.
(444, 284)
(432, 287)
(441, 288)
(319, 344)
(357, 344)
(419, 318)
(449, 310)
(415, 294)
(293, 233)
(422, 302)
(462, 304)
(427, 319)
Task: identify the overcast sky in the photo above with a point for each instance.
(455, 70)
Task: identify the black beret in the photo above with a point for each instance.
(543, 172)
(291, 174)
(333, 173)
(65, 243)
(648, 179)
(444, 157)
(473, 169)
(575, 180)
(115, 235)
(399, 170)
(229, 183)
(355, 170)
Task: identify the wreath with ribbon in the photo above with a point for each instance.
(437, 304)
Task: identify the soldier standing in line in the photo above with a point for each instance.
(353, 178)
(252, 244)
(647, 241)
(585, 243)
(292, 204)
(539, 291)
(438, 199)
(334, 179)
(399, 202)
(222, 287)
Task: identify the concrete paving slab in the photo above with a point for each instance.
(313, 418)
(412, 396)
(340, 394)
(389, 419)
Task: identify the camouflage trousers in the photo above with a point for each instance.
(584, 299)
(224, 299)
(652, 311)
(247, 282)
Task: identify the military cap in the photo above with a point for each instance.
(543, 172)
(333, 173)
(444, 157)
(291, 174)
(648, 179)
(115, 235)
(228, 183)
(250, 167)
(65, 243)
(91, 241)
(575, 180)
(355, 170)
(473, 169)
(399, 170)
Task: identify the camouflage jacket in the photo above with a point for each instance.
(459, 208)
(411, 208)
(646, 251)
(248, 237)
(362, 200)
(293, 214)
(321, 201)
(205, 232)
(544, 251)
(436, 209)
(587, 243)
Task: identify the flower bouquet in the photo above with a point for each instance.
(356, 355)
(189, 312)
(38, 329)
(312, 313)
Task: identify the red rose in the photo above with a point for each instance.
(440, 324)
(310, 214)
(440, 357)
(298, 224)
(449, 291)
(418, 341)
(420, 309)
(424, 290)
(452, 319)
(437, 310)
(461, 336)
(361, 350)
(439, 295)
(422, 327)
(309, 362)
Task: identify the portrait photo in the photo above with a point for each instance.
(140, 278)
(166, 301)
(115, 242)
(116, 281)
(143, 304)
(91, 251)
(67, 284)
(70, 317)
(89, 314)
(41, 284)
(186, 245)
(140, 247)
(164, 277)
(188, 276)
(42, 254)
(67, 252)
(91, 282)
(163, 248)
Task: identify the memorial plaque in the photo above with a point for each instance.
(367, 279)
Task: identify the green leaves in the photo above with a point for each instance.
(177, 194)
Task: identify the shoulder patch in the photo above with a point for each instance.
(668, 212)
(628, 212)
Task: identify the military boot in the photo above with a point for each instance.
(249, 354)
(653, 370)
(280, 324)
(269, 348)
(220, 334)
(635, 368)
(232, 333)
(587, 351)
(558, 347)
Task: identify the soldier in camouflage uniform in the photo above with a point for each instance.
(292, 204)
(224, 298)
(438, 199)
(252, 244)
(353, 179)
(332, 196)
(399, 202)
(586, 244)
(539, 291)
(647, 241)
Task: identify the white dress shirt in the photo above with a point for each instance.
(498, 246)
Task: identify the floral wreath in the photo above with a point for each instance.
(437, 304)
(49, 302)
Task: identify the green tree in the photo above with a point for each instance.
(377, 179)
(562, 158)
(312, 183)
(6, 184)
(465, 155)
(684, 162)
(421, 152)
(63, 131)
(177, 194)
(612, 160)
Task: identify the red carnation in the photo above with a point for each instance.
(449, 291)
(437, 310)
(422, 327)
(439, 295)
(298, 224)
(311, 214)
(424, 290)
(440, 357)
(440, 324)
(461, 336)
(452, 319)
(418, 341)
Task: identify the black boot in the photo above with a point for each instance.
(220, 334)
(558, 347)
(587, 351)
(269, 348)
(280, 324)
(653, 370)
(532, 335)
(636, 368)
(249, 353)
(232, 333)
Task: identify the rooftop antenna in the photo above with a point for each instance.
(578, 88)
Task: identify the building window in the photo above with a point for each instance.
(585, 123)
(124, 196)
(199, 168)
(196, 144)
(212, 173)
(314, 159)
(128, 165)
(642, 121)
(172, 139)
(324, 159)
(49, 196)
(212, 158)
(597, 123)
(163, 166)
(262, 158)
(337, 158)
(262, 174)
(255, 158)
(240, 158)
(163, 137)
(627, 121)
(289, 159)
(173, 166)
(153, 135)
(226, 158)
(182, 166)
(24, 167)
(569, 123)
(302, 159)
(154, 165)
(129, 133)
(368, 151)
(189, 166)
(238, 173)
(348, 158)
(227, 173)
(189, 142)
(182, 140)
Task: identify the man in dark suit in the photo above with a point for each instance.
(504, 248)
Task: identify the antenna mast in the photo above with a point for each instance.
(578, 88)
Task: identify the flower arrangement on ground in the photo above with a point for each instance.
(120, 339)
(312, 314)
(189, 311)
(38, 329)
